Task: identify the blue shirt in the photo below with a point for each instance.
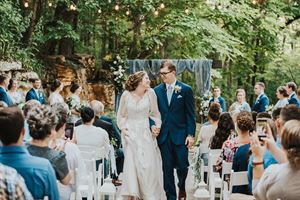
(268, 160)
(37, 172)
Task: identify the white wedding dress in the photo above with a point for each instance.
(142, 173)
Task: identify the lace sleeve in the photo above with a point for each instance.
(122, 111)
(154, 112)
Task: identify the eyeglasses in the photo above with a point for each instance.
(164, 73)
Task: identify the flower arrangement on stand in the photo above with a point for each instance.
(204, 105)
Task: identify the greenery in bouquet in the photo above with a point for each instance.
(204, 105)
(118, 67)
(73, 105)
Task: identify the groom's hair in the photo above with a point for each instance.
(168, 63)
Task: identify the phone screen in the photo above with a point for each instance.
(69, 130)
(261, 127)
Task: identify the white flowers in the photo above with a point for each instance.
(177, 88)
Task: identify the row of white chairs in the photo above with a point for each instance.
(214, 179)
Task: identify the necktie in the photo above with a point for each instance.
(169, 93)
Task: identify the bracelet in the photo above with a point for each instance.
(257, 163)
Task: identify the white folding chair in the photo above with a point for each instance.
(236, 179)
(226, 169)
(205, 168)
(84, 186)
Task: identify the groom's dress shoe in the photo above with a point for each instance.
(182, 194)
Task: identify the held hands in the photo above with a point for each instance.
(189, 141)
(155, 130)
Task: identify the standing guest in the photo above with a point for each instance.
(208, 131)
(35, 92)
(291, 88)
(73, 155)
(262, 101)
(12, 185)
(279, 181)
(4, 97)
(42, 121)
(37, 172)
(74, 101)
(282, 95)
(240, 104)
(176, 105)
(55, 96)
(298, 94)
(218, 99)
(15, 95)
(224, 130)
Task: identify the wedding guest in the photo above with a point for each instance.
(15, 95)
(291, 88)
(208, 131)
(240, 104)
(262, 101)
(282, 95)
(279, 181)
(87, 134)
(218, 99)
(4, 97)
(35, 92)
(223, 131)
(244, 124)
(12, 185)
(73, 155)
(298, 93)
(26, 108)
(74, 101)
(42, 122)
(55, 96)
(37, 172)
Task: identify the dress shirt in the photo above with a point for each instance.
(37, 172)
(172, 85)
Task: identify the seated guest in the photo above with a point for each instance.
(240, 104)
(42, 121)
(4, 96)
(244, 124)
(224, 129)
(208, 131)
(28, 106)
(291, 88)
(37, 172)
(12, 184)
(282, 95)
(279, 181)
(73, 155)
(87, 134)
(35, 92)
(55, 96)
(262, 101)
(218, 99)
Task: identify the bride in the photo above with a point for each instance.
(143, 177)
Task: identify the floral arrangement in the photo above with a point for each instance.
(74, 105)
(204, 105)
(177, 89)
(118, 66)
(269, 108)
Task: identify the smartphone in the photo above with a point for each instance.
(261, 127)
(69, 130)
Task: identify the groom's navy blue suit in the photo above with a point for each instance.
(178, 122)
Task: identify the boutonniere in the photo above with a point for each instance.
(177, 88)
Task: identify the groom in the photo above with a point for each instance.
(176, 105)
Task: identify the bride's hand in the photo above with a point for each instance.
(155, 130)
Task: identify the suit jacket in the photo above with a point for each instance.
(31, 94)
(221, 101)
(178, 118)
(98, 122)
(4, 97)
(261, 104)
(294, 100)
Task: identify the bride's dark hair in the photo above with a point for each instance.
(134, 80)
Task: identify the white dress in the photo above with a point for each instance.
(143, 176)
(55, 97)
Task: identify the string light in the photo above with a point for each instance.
(254, 2)
(50, 4)
(162, 6)
(117, 7)
(72, 7)
(156, 13)
(26, 4)
(187, 11)
(127, 12)
(99, 11)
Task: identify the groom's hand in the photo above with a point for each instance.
(189, 141)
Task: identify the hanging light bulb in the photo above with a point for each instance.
(50, 4)
(254, 2)
(219, 6)
(117, 7)
(127, 12)
(26, 4)
(72, 7)
(156, 13)
(99, 11)
(162, 6)
(187, 11)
